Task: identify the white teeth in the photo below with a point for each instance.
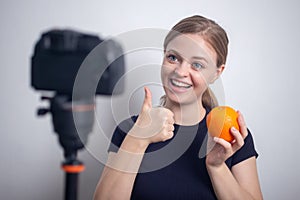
(180, 84)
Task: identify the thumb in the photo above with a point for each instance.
(147, 100)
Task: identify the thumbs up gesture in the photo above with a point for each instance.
(153, 124)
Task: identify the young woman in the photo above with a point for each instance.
(155, 155)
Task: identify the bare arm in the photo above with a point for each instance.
(118, 176)
(241, 182)
(120, 172)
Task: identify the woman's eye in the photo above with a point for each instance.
(172, 58)
(197, 66)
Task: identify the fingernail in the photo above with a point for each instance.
(233, 128)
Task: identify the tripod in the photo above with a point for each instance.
(72, 121)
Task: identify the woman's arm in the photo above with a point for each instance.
(241, 182)
(119, 174)
(153, 125)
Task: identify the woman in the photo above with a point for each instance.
(195, 53)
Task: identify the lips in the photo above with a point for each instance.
(180, 84)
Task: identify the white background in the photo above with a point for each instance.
(260, 80)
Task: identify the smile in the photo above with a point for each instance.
(180, 84)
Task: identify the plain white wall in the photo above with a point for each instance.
(260, 80)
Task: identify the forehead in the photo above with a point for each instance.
(192, 45)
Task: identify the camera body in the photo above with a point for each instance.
(59, 54)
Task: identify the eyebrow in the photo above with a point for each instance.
(194, 57)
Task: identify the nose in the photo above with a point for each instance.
(182, 70)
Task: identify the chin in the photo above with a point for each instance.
(177, 100)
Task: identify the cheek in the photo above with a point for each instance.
(165, 72)
(162, 74)
(199, 80)
(210, 75)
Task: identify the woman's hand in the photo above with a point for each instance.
(153, 124)
(219, 150)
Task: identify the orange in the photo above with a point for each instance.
(219, 121)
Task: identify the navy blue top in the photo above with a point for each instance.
(174, 169)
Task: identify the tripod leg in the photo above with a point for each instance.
(72, 174)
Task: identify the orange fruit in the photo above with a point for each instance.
(219, 121)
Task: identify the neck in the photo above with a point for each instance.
(187, 114)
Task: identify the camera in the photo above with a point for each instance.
(59, 54)
(76, 66)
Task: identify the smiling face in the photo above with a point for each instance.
(189, 65)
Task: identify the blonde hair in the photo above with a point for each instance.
(214, 35)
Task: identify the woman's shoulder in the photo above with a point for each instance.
(120, 132)
(127, 123)
(248, 150)
(124, 126)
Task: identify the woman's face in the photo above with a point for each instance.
(189, 65)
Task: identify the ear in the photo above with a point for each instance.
(218, 73)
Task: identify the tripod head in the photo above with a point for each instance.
(72, 123)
